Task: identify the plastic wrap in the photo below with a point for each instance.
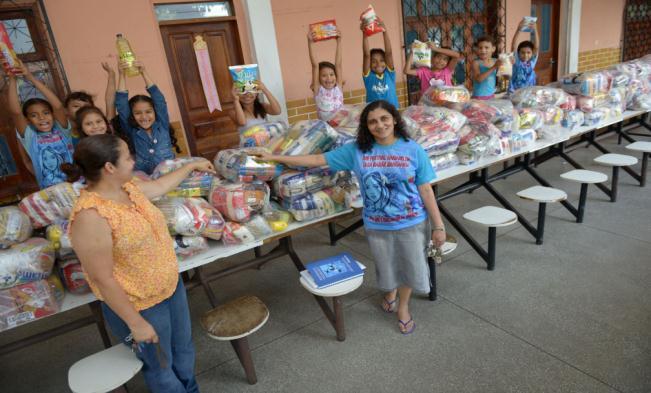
(370, 22)
(444, 161)
(343, 138)
(261, 134)
(522, 140)
(305, 137)
(324, 30)
(445, 96)
(499, 112)
(196, 184)
(422, 120)
(312, 206)
(536, 96)
(347, 183)
(50, 205)
(28, 261)
(238, 201)
(635, 68)
(236, 233)
(586, 83)
(57, 235)
(637, 94)
(439, 143)
(245, 77)
(347, 117)
(278, 220)
(72, 275)
(294, 184)
(617, 78)
(191, 217)
(528, 24)
(572, 119)
(422, 54)
(595, 117)
(27, 302)
(185, 246)
(531, 118)
(478, 140)
(506, 69)
(15, 226)
(238, 165)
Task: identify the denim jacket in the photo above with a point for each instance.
(151, 149)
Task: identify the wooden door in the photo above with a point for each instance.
(207, 133)
(548, 14)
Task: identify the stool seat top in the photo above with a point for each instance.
(584, 176)
(640, 146)
(491, 216)
(104, 371)
(235, 319)
(613, 159)
(340, 289)
(543, 194)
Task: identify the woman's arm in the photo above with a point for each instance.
(93, 244)
(13, 101)
(310, 161)
(315, 66)
(273, 106)
(429, 199)
(109, 96)
(166, 183)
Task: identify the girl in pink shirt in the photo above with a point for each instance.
(443, 63)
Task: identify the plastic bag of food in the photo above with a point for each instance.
(617, 78)
(28, 261)
(572, 119)
(588, 103)
(30, 301)
(422, 120)
(347, 183)
(312, 206)
(347, 116)
(439, 143)
(635, 68)
(238, 201)
(499, 112)
(305, 137)
(185, 246)
(343, 138)
(236, 233)
(529, 24)
(536, 96)
(294, 184)
(370, 22)
(531, 118)
(278, 220)
(522, 140)
(196, 184)
(191, 217)
(15, 226)
(506, 68)
(445, 96)
(239, 165)
(586, 83)
(50, 205)
(595, 117)
(477, 140)
(261, 134)
(72, 275)
(444, 161)
(324, 30)
(422, 54)
(245, 78)
(58, 235)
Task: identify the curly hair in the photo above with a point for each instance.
(365, 139)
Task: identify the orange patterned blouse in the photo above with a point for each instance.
(143, 253)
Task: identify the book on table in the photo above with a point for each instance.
(332, 270)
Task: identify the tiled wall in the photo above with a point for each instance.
(598, 59)
(305, 109)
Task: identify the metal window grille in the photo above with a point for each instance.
(637, 29)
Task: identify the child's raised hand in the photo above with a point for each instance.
(21, 70)
(123, 66)
(338, 34)
(139, 65)
(261, 86)
(107, 68)
(380, 23)
(236, 93)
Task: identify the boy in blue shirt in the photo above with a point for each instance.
(525, 61)
(378, 71)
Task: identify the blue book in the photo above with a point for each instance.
(332, 270)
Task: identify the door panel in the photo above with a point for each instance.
(548, 14)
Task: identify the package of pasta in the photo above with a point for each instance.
(295, 184)
(24, 262)
(422, 54)
(57, 234)
(192, 217)
(522, 140)
(346, 117)
(72, 275)
(245, 78)
(444, 161)
(370, 22)
(536, 96)
(586, 83)
(572, 119)
(314, 205)
(50, 205)
(531, 118)
(305, 137)
(450, 96)
(324, 30)
(15, 226)
(240, 165)
(238, 201)
(422, 120)
(30, 301)
(261, 134)
(185, 246)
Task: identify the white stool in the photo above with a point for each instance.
(542, 195)
(615, 161)
(645, 148)
(492, 217)
(336, 314)
(104, 371)
(585, 178)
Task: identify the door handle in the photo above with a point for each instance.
(552, 61)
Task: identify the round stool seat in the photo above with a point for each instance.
(235, 319)
(104, 371)
(644, 147)
(491, 216)
(584, 176)
(543, 194)
(340, 289)
(612, 159)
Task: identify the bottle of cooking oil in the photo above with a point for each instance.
(126, 54)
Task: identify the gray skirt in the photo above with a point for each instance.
(401, 257)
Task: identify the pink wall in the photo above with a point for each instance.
(601, 24)
(515, 10)
(291, 19)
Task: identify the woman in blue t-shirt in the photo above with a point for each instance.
(395, 175)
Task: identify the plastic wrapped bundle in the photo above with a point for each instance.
(346, 182)
(192, 217)
(196, 184)
(506, 69)
(444, 161)
(439, 143)
(305, 137)
(236, 233)
(15, 226)
(238, 165)
(370, 22)
(28, 261)
(569, 104)
(422, 120)
(57, 235)
(50, 205)
(169, 166)
(586, 83)
(343, 138)
(595, 117)
(445, 96)
(185, 246)
(278, 220)
(617, 78)
(478, 140)
(637, 93)
(635, 68)
(588, 104)
(261, 134)
(499, 112)
(522, 140)
(422, 54)
(238, 201)
(537, 96)
(572, 119)
(27, 302)
(312, 206)
(346, 117)
(72, 275)
(531, 118)
(294, 184)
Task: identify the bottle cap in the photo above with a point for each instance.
(119, 35)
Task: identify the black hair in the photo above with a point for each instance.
(484, 38)
(36, 101)
(79, 96)
(377, 51)
(133, 123)
(365, 139)
(327, 64)
(525, 44)
(85, 111)
(258, 108)
(119, 131)
(91, 154)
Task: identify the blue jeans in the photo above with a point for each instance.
(171, 321)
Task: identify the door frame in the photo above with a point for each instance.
(555, 37)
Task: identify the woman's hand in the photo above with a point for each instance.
(203, 166)
(144, 333)
(261, 155)
(438, 237)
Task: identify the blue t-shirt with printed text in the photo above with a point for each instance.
(381, 87)
(48, 150)
(389, 177)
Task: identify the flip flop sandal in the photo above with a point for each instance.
(388, 306)
(403, 325)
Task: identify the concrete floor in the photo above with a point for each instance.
(572, 315)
